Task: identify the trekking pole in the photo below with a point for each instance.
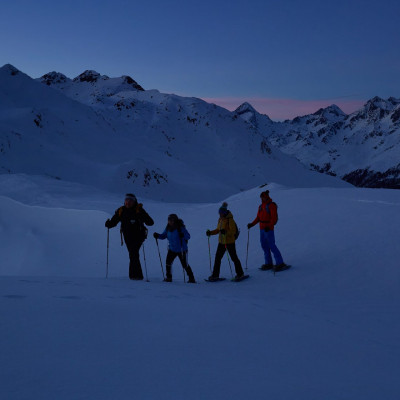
(248, 240)
(183, 269)
(229, 260)
(183, 258)
(108, 246)
(209, 252)
(145, 264)
(159, 255)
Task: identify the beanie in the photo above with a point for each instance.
(173, 217)
(130, 196)
(224, 208)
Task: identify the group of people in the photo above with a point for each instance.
(134, 218)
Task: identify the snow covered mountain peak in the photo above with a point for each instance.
(90, 76)
(248, 113)
(245, 107)
(92, 88)
(10, 69)
(330, 110)
(128, 80)
(375, 110)
(54, 77)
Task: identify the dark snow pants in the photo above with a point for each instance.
(135, 268)
(182, 258)
(220, 253)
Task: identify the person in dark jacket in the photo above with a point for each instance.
(226, 229)
(177, 236)
(133, 217)
(267, 217)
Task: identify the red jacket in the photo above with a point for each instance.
(267, 215)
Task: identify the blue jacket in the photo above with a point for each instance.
(175, 242)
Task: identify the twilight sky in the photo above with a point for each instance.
(285, 57)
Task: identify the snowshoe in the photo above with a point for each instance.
(240, 278)
(281, 267)
(266, 267)
(214, 279)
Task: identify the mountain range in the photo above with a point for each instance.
(110, 133)
(361, 148)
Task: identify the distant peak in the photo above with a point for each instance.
(378, 103)
(127, 79)
(332, 109)
(11, 69)
(376, 99)
(245, 107)
(90, 76)
(53, 77)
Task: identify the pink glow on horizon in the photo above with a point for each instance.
(281, 109)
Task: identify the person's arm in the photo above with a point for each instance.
(273, 209)
(163, 235)
(215, 231)
(111, 223)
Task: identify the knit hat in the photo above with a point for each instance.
(265, 194)
(173, 217)
(224, 208)
(130, 196)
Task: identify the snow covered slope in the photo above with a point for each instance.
(326, 329)
(362, 148)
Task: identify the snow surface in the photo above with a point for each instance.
(326, 329)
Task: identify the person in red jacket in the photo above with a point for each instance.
(267, 217)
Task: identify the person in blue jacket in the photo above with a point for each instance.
(177, 236)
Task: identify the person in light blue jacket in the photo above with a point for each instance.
(177, 236)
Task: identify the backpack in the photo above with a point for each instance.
(237, 231)
(269, 212)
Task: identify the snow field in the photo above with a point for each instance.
(326, 329)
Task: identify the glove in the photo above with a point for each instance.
(155, 235)
(222, 231)
(249, 226)
(208, 232)
(108, 224)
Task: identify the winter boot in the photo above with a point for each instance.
(169, 273)
(266, 267)
(280, 267)
(190, 275)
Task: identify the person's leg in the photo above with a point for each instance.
(232, 252)
(218, 257)
(171, 255)
(135, 268)
(265, 246)
(183, 259)
(275, 251)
